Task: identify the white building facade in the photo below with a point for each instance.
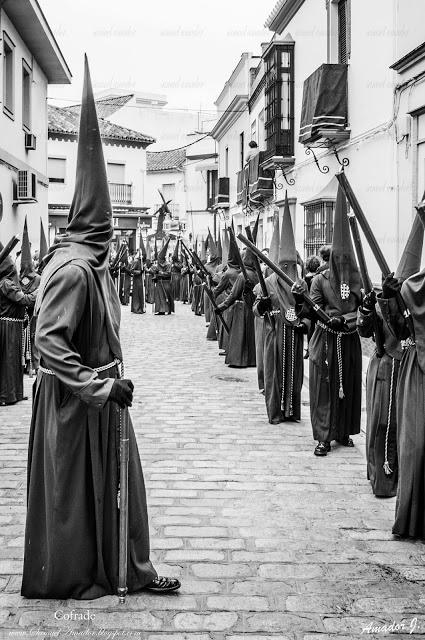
(30, 61)
(332, 90)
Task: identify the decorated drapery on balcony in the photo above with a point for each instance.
(324, 107)
(255, 184)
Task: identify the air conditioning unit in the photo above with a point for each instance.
(26, 187)
(30, 141)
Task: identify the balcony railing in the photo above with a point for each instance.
(120, 193)
(254, 183)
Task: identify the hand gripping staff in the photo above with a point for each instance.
(322, 315)
(367, 283)
(373, 243)
(259, 274)
(123, 504)
(8, 248)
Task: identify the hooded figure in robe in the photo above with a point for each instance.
(161, 272)
(176, 272)
(410, 401)
(382, 375)
(14, 304)
(71, 534)
(224, 285)
(283, 335)
(335, 353)
(29, 280)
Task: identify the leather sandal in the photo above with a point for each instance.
(163, 585)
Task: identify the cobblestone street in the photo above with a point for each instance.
(269, 541)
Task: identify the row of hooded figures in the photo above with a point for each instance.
(260, 319)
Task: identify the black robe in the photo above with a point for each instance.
(259, 342)
(334, 417)
(176, 277)
(184, 285)
(125, 284)
(71, 536)
(241, 346)
(13, 304)
(283, 335)
(29, 284)
(163, 297)
(138, 294)
(381, 386)
(224, 286)
(410, 504)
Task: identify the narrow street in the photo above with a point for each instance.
(269, 541)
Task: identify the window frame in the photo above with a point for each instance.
(212, 187)
(54, 181)
(26, 68)
(318, 216)
(8, 42)
(279, 141)
(242, 149)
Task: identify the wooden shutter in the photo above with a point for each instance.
(342, 32)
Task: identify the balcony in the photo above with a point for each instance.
(254, 182)
(120, 193)
(222, 197)
(324, 113)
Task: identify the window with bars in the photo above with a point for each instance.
(279, 92)
(318, 226)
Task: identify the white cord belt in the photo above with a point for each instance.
(3, 319)
(105, 367)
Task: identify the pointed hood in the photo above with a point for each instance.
(275, 241)
(43, 243)
(212, 247)
(219, 248)
(287, 250)
(255, 229)
(142, 248)
(410, 262)
(195, 246)
(162, 255)
(148, 250)
(344, 274)
(176, 252)
(27, 267)
(232, 258)
(89, 231)
(225, 248)
(203, 255)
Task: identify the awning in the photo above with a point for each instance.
(324, 107)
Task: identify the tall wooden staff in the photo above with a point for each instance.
(123, 506)
(8, 248)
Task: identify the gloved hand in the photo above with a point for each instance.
(302, 327)
(390, 286)
(298, 289)
(337, 323)
(122, 393)
(219, 310)
(369, 301)
(264, 305)
(248, 286)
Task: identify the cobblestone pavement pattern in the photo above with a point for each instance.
(269, 541)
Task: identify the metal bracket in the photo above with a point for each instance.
(345, 161)
(325, 168)
(289, 181)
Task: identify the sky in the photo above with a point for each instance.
(184, 50)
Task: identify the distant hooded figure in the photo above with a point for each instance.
(382, 374)
(29, 280)
(335, 352)
(71, 535)
(138, 293)
(149, 283)
(224, 284)
(283, 334)
(184, 281)
(176, 271)
(14, 303)
(161, 272)
(241, 340)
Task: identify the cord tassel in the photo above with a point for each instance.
(386, 466)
